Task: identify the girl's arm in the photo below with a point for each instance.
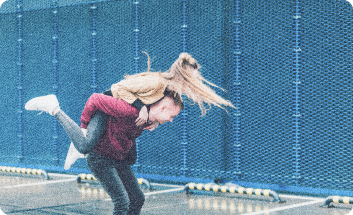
(148, 88)
(143, 114)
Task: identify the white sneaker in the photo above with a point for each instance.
(43, 103)
(72, 156)
(350, 213)
(2, 213)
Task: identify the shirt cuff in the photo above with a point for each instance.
(138, 104)
(108, 92)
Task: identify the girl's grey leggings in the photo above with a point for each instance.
(95, 129)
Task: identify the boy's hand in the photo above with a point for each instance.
(143, 116)
(153, 126)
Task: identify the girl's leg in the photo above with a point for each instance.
(105, 172)
(83, 143)
(72, 156)
(95, 130)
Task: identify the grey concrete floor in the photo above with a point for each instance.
(63, 195)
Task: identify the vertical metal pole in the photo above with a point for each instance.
(184, 121)
(19, 87)
(236, 54)
(94, 44)
(55, 76)
(297, 83)
(136, 34)
(136, 58)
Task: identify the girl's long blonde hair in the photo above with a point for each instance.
(184, 78)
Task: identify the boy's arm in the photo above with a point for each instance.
(107, 104)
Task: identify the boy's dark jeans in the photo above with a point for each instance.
(119, 181)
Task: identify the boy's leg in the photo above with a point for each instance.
(136, 196)
(105, 172)
(350, 213)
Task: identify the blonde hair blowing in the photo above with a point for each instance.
(184, 77)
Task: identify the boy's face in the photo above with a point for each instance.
(166, 111)
(168, 114)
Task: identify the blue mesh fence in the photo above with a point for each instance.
(206, 134)
(326, 130)
(266, 92)
(286, 65)
(9, 79)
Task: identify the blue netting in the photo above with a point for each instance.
(286, 65)
(326, 65)
(9, 84)
(206, 134)
(37, 80)
(266, 92)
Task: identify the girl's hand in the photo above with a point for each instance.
(143, 116)
(153, 126)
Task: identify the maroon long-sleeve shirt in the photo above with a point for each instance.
(121, 131)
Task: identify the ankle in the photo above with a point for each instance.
(56, 110)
